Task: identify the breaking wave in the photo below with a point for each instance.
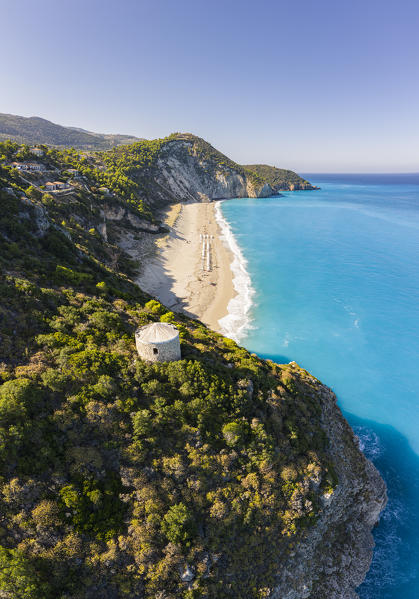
(237, 321)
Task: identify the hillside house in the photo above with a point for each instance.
(28, 166)
(56, 186)
(36, 166)
(73, 171)
(37, 151)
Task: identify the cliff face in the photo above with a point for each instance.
(334, 557)
(184, 172)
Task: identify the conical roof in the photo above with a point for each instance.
(156, 332)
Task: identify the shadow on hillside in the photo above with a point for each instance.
(154, 276)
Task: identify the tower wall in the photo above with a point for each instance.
(158, 351)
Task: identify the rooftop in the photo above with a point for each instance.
(157, 332)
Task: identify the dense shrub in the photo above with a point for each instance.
(117, 473)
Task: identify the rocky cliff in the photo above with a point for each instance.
(335, 555)
(186, 172)
(181, 167)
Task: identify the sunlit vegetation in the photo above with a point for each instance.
(35, 130)
(117, 474)
(278, 178)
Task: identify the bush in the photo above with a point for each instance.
(168, 317)
(102, 287)
(18, 578)
(16, 398)
(234, 432)
(178, 525)
(155, 307)
(67, 275)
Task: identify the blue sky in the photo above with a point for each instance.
(326, 85)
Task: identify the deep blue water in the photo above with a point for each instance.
(336, 280)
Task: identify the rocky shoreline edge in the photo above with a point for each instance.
(335, 555)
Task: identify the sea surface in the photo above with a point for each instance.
(330, 279)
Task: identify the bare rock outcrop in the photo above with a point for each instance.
(183, 172)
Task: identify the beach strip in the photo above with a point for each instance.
(190, 269)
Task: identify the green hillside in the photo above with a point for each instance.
(34, 130)
(118, 475)
(280, 179)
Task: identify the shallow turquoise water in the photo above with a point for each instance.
(336, 279)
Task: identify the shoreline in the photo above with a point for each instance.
(237, 321)
(198, 269)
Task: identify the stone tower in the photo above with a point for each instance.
(158, 342)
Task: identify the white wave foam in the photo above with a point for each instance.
(369, 442)
(237, 322)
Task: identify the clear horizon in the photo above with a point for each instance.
(322, 87)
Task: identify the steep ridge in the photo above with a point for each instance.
(220, 475)
(184, 167)
(189, 165)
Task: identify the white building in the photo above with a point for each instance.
(158, 342)
(28, 166)
(36, 166)
(37, 151)
(21, 166)
(56, 185)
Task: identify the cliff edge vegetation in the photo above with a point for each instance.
(220, 475)
(280, 179)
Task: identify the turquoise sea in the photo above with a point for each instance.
(330, 279)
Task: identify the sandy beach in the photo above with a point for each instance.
(189, 268)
